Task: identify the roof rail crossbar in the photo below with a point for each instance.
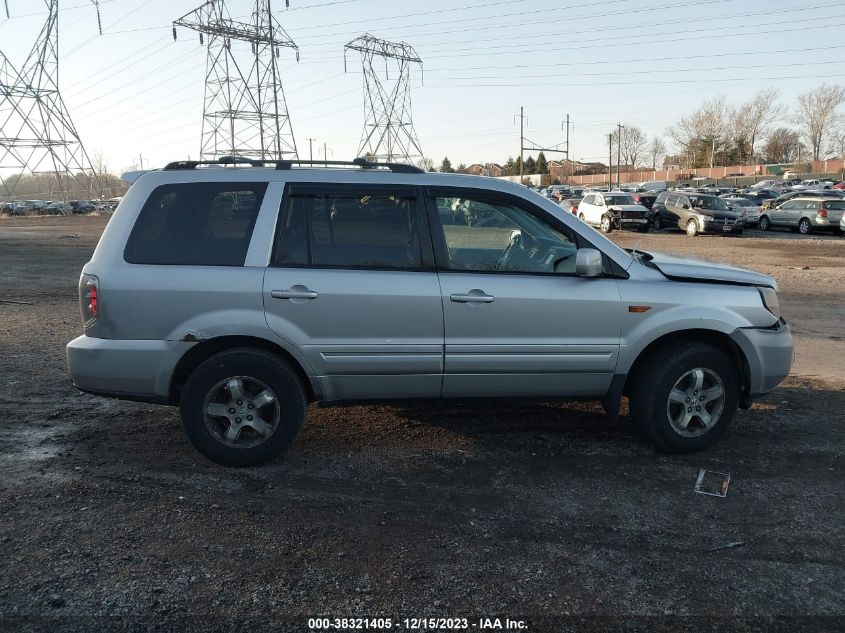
(363, 163)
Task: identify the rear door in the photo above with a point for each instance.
(352, 285)
(518, 322)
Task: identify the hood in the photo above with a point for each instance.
(627, 207)
(714, 213)
(681, 267)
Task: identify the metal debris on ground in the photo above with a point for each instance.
(712, 483)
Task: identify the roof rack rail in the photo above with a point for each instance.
(363, 163)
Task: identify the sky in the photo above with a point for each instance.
(136, 94)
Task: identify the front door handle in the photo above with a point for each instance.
(473, 296)
(294, 292)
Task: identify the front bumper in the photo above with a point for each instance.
(717, 228)
(631, 223)
(132, 370)
(769, 352)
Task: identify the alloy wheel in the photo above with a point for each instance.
(695, 402)
(241, 412)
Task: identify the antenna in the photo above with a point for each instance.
(37, 135)
(388, 127)
(245, 112)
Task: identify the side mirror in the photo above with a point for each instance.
(588, 262)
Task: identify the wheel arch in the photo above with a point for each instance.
(200, 352)
(717, 339)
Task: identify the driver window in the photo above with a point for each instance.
(495, 236)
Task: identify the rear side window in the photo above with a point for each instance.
(198, 224)
(834, 205)
(348, 231)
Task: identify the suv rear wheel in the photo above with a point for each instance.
(804, 226)
(685, 396)
(242, 407)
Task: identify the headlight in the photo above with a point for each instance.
(770, 299)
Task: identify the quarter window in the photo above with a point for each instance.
(199, 224)
(348, 231)
(491, 236)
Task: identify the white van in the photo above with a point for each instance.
(653, 185)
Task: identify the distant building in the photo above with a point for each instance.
(561, 169)
(487, 169)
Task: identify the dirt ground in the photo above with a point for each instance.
(544, 513)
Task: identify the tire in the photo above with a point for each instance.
(692, 228)
(675, 367)
(804, 226)
(259, 373)
(581, 217)
(765, 224)
(606, 225)
(655, 223)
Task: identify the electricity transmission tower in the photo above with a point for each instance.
(37, 136)
(388, 127)
(245, 112)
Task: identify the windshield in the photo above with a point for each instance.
(741, 202)
(708, 202)
(619, 199)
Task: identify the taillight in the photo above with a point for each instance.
(89, 299)
(822, 213)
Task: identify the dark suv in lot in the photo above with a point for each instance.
(695, 213)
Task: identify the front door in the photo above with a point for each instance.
(518, 322)
(352, 286)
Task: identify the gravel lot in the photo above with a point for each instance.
(539, 512)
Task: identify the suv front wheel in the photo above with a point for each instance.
(684, 396)
(242, 407)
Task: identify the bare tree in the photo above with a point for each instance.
(633, 145)
(817, 114)
(838, 143)
(426, 163)
(782, 146)
(709, 124)
(752, 120)
(656, 151)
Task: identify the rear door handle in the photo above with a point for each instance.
(473, 296)
(294, 292)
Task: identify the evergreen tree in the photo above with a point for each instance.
(542, 165)
(446, 166)
(530, 165)
(461, 169)
(508, 168)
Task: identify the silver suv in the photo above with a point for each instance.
(243, 292)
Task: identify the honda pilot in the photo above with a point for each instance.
(242, 292)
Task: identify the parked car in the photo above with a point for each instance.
(825, 193)
(652, 185)
(58, 208)
(695, 213)
(81, 206)
(812, 184)
(610, 211)
(570, 205)
(805, 214)
(346, 286)
(645, 199)
(558, 192)
(748, 209)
